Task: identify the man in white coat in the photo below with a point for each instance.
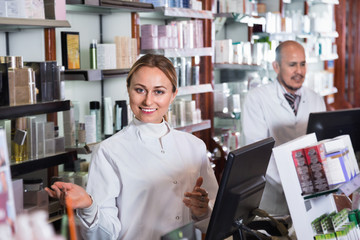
(280, 110)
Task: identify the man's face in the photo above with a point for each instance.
(292, 67)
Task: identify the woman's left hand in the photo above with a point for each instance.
(197, 200)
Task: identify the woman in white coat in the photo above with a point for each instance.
(149, 178)
(267, 113)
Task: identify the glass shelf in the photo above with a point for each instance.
(8, 112)
(346, 188)
(242, 18)
(94, 74)
(171, 13)
(319, 194)
(205, 124)
(83, 75)
(188, 90)
(111, 73)
(237, 67)
(181, 52)
(41, 163)
(14, 24)
(109, 6)
(327, 92)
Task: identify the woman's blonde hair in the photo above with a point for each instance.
(158, 61)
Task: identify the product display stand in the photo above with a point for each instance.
(302, 212)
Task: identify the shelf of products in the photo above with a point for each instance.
(7, 24)
(108, 7)
(181, 52)
(205, 124)
(8, 112)
(170, 13)
(41, 163)
(194, 89)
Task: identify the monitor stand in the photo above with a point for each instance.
(239, 234)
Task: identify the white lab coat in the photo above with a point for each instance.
(138, 183)
(267, 113)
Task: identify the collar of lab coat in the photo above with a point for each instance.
(144, 138)
(280, 94)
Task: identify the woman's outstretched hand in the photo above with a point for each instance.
(79, 197)
(197, 200)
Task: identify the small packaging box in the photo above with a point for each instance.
(49, 130)
(338, 167)
(149, 30)
(149, 43)
(49, 146)
(59, 144)
(40, 138)
(315, 156)
(106, 56)
(303, 171)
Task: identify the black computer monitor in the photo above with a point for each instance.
(240, 191)
(334, 123)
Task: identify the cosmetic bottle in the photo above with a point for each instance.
(121, 115)
(95, 110)
(108, 117)
(93, 54)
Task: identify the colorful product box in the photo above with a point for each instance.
(316, 159)
(338, 167)
(303, 171)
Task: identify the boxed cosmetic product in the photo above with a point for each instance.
(50, 146)
(303, 171)
(199, 34)
(40, 138)
(316, 159)
(21, 86)
(106, 56)
(149, 30)
(122, 51)
(59, 144)
(31, 137)
(347, 142)
(18, 190)
(338, 169)
(43, 76)
(238, 53)
(149, 43)
(247, 53)
(188, 33)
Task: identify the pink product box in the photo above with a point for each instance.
(149, 30)
(163, 42)
(149, 43)
(164, 31)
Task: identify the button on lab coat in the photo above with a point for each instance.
(267, 113)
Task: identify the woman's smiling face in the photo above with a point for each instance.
(150, 94)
